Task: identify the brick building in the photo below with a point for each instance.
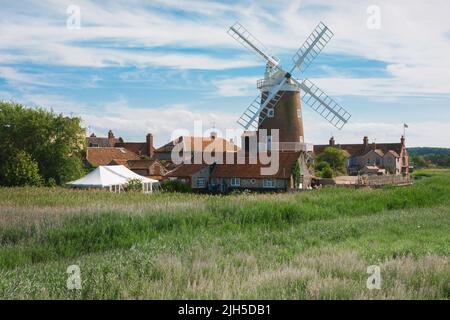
(372, 158)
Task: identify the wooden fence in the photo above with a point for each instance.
(377, 181)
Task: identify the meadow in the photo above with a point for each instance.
(308, 245)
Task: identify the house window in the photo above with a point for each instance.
(268, 183)
(270, 113)
(235, 182)
(200, 182)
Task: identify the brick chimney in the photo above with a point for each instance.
(402, 140)
(149, 140)
(366, 142)
(332, 142)
(111, 138)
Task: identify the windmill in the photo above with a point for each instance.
(278, 105)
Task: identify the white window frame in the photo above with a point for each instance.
(235, 182)
(268, 183)
(270, 113)
(202, 184)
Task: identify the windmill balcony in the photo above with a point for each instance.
(264, 83)
(292, 147)
(260, 83)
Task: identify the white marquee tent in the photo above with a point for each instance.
(114, 178)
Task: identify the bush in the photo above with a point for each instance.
(51, 183)
(175, 186)
(336, 158)
(20, 170)
(327, 172)
(134, 185)
(321, 165)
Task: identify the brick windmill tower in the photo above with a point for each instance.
(278, 105)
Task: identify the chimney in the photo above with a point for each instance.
(366, 141)
(149, 140)
(332, 142)
(111, 138)
(402, 140)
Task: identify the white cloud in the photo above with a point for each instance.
(236, 86)
(133, 123)
(15, 77)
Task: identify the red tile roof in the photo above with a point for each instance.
(196, 144)
(104, 156)
(186, 170)
(395, 154)
(140, 148)
(355, 150)
(253, 171)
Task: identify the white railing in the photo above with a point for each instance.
(292, 146)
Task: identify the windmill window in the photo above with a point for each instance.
(270, 113)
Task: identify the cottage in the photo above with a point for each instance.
(242, 172)
(372, 158)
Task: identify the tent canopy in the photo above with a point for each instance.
(107, 176)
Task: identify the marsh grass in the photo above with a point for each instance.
(313, 245)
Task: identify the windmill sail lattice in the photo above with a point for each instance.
(238, 32)
(318, 100)
(313, 45)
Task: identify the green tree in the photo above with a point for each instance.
(296, 173)
(55, 142)
(20, 170)
(327, 172)
(336, 158)
(419, 162)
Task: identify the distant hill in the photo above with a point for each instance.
(426, 150)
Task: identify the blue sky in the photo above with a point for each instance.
(157, 66)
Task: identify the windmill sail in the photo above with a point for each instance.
(238, 32)
(312, 47)
(318, 100)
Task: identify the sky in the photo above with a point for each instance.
(158, 66)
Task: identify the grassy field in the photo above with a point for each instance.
(312, 245)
